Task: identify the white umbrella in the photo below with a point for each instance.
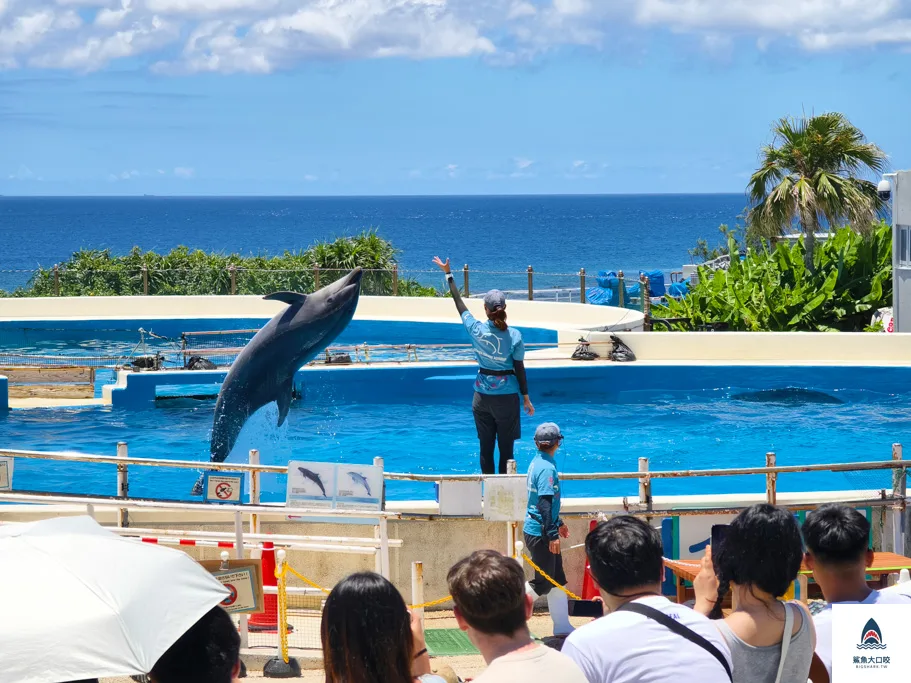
(77, 601)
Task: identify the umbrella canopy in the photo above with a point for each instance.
(81, 602)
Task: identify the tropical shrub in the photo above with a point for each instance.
(91, 272)
(774, 290)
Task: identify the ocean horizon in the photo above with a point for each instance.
(556, 234)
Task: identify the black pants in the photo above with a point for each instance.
(499, 422)
(539, 552)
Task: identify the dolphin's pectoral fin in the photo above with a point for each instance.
(289, 298)
(284, 402)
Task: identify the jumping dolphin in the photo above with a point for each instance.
(314, 477)
(359, 478)
(264, 370)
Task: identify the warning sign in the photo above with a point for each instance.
(6, 474)
(241, 583)
(223, 487)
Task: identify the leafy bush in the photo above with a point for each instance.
(92, 272)
(775, 291)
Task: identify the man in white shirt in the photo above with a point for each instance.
(627, 645)
(492, 607)
(838, 553)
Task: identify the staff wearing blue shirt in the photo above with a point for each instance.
(501, 378)
(543, 527)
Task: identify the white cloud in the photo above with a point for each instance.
(579, 164)
(451, 170)
(261, 36)
(311, 178)
(184, 172)
(23, 173)
(522, 164)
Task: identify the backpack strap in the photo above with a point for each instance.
(679, 629)
(786, 638)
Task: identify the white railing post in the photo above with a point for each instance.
(123, 483)
(645, 485)
(384, 547)
(254, 490)
(899, 484)
(417, 590)
(511, 526)
(239, 555)
(378, 462)
(519, 548)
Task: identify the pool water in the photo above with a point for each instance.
(675, 429)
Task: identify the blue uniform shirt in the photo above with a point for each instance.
(495, 350)
(542, 480)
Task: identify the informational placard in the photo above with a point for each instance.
(505, 498)
(243, 579)
(223, 487)
(459, 498)
(334, 486)
(6, 474)
(871, 643)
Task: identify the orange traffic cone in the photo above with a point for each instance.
(589, 589)
(267, 620)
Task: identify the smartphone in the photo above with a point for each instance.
(719, 533)
(586, 608)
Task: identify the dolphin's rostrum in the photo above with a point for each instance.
(314, 477)
(264, 370)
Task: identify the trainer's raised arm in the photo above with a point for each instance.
(453, 289)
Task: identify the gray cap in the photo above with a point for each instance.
(547, 433)
(494, 299)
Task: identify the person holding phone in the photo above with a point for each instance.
(544, 528)
(501, 379)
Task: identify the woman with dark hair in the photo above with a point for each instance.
(771, 641)
(501, 378)
(368, 636)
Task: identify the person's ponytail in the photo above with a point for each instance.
(498, 318)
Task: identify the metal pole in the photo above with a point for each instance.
(531, 283)
(239, 555)
(417, 589)
(123, 483)
(511, 526)
(254, 491)
(395, 279)
(145, 281)
(315, 278)
(582, 285)
(899, 486)
(56, 281)
(647, 302)
(465, 275)
(621, 290)
(233, 271)
(771, 494)
(645, 485)
(519, 548)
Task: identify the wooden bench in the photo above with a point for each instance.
(883, 564)
(50, 382)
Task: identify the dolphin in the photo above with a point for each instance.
(314, 477)
(790, 396)
(359, 478)
(264, 370)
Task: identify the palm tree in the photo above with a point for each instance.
(810, 173)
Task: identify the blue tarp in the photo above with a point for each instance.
(607, 294)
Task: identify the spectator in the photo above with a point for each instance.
(759, 560)
(207, 653)
(837, 539)
(644, 637)
(544, 528)
(369, 637)
(492, 607)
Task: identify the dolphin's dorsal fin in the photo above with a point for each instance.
(289, 298)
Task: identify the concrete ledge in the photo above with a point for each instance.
(4, 393)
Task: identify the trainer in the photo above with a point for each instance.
(544, 528)
(501, 378)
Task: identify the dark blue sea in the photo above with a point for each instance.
(554, 234)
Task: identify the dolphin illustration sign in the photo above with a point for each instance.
(264, 370)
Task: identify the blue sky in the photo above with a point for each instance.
(432, 96)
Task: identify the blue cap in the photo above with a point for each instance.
(548, 434)
(494, 299)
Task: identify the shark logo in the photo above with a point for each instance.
(872, 638)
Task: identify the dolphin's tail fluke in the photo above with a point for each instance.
(197, 487)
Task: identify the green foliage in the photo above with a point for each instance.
(184, 272)
(776, 291)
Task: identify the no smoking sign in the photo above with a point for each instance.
(232, 598)
(222, 487)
